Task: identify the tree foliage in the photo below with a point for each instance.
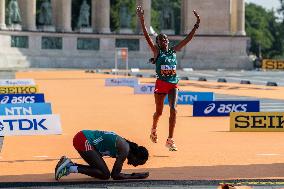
(157, 6)
(264, 30)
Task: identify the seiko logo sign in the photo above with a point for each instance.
(258, 121)
(18, 89)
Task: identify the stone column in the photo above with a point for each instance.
(2, 14)
(146, 4)
(28, 13)
(186, 26)
(55, 12)
(65, 14)
(241, 18)
(102, 16)
(93, 16)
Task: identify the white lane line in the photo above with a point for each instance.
(268, 154)
(272, 110)
(271, 106)
(271, 103)
(40, 156)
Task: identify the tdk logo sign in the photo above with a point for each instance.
(30, 125)
(24, 124)
(190, 97)
(21, 98)
(223, 108)
(144, 89)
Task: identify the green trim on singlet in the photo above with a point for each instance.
(166, 66)
(103, 141)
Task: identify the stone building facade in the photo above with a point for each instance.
(220, 41)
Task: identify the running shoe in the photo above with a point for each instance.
(62, 167)
(171, 145)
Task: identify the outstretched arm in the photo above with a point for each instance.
(123, 150)
(140, 14)
(184, 42)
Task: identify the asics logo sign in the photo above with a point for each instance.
(20, 99)
(226, 108)
(209, 108)
(223, 108)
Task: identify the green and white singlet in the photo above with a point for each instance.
(103, 141)
(166, 66)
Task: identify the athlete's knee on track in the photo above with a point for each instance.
(105, 174)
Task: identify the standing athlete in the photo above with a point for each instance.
(92, 145)
(167, 79)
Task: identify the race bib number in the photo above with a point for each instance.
(168, 70)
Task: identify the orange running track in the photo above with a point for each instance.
(207, 150)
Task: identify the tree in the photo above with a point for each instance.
(264, 31)
(114, 13)
(157, 5)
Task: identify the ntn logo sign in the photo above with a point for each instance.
(25, 109)
(18, 111)
(185, 97)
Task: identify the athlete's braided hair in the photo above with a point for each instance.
(139, 151)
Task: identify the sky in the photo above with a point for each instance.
(268, 4)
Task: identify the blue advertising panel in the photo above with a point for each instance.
(25, 109)
(21, 125)
(21, 98)
(223, 108)
(144, 89)
(186, 97)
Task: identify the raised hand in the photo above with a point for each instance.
(139, 11)
(197, 17)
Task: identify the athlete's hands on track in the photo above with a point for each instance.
(142, 175)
